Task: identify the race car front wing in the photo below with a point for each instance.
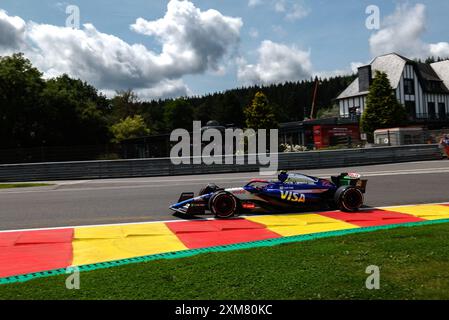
(189, 205)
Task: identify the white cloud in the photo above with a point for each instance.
(276, 63)
(192, 38)
(254, 3)
(353, 68)
(440, 49)
(279, 30)
(253, 33)
(11, 31)
(279, 6)
(192, 42)
(402, 32)
(292, 10)
(61, 5)
(164, 89)
(297, 12)
(356, 65)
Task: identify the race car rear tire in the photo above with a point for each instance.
(349, 199)
(223, 205)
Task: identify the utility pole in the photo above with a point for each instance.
(315, 92)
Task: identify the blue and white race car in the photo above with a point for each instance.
(290, 193)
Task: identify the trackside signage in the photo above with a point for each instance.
(238, 147)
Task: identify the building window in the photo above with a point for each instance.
(431, 110)
(354, 112)
(409, 87)
(441, 110)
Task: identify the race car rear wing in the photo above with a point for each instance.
(350, 179)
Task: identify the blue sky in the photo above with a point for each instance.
(325, 38)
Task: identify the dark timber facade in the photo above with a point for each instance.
(422, 88)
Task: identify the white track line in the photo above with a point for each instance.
(184, 181)
(208, 219)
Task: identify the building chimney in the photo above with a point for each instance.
(365, 78)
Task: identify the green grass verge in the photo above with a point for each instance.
(414, 264)
(23, 185)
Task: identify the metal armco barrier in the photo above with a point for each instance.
(164, 167)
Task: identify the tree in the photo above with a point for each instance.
(124, 104)
(75, 113)
(382, 109)
(332, 112)
(433, 59)
(228, 110)
(260, 114)
(129, 128)
(66, 111)
(20, 103)
(178, 114)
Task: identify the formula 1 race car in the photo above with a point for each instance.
(290, 193)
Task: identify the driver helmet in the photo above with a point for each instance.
(283, 176)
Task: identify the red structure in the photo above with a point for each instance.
(331, 135)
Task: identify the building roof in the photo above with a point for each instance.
(352, 90)
(442, 70)
(427, 72)
(393, 65)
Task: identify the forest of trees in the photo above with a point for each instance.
(432, 59)
(69, 112)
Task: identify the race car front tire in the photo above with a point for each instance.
(223, 205)
(348, 199)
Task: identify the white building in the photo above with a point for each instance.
(422, 88)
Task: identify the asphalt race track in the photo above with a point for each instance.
(93, 202)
